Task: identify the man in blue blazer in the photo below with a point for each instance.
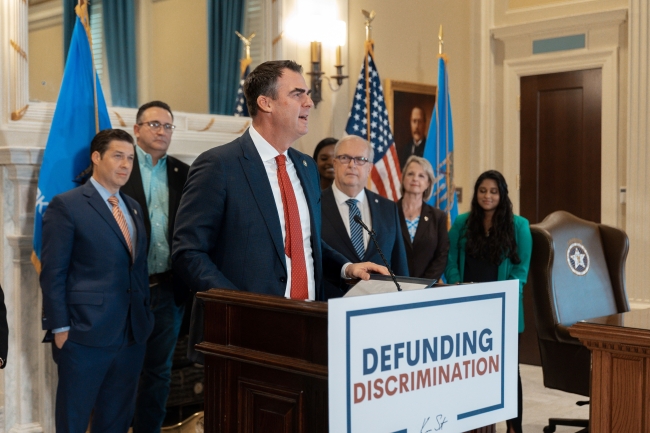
(96, 292)
(346, 198)
(250, 215)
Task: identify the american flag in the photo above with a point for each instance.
(369, 119)
(240, 107)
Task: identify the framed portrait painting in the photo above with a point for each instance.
(409, 106)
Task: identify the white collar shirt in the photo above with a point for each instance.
(268, 154)
(362, 203)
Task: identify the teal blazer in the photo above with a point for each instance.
(507, 270)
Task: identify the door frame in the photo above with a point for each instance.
(511, 58)
(607, 60)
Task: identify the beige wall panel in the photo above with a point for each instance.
(406, 48)
(179, 54)
(45, 63)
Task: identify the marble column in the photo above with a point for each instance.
(29, 378)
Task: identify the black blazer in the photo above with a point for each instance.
(385, 223)
(427, 255)
(176, 177)
(4, 329)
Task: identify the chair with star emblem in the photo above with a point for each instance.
(577, 272)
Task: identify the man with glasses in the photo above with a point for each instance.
(348, 197)
(156, 183)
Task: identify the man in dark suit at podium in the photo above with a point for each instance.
(250, 215)
(348, 197)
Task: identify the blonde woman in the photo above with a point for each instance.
(424, 228)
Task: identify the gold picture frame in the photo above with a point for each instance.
(401, 98)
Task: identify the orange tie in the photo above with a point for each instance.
(121, 221)
(293, 245)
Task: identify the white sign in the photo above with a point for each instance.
(435, 360)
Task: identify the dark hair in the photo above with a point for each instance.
(263, 81)
(148, 105)
(501, 242)
(329, 141)
(101, 143)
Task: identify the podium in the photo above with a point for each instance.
(265, 363)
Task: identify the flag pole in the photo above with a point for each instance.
(368, 49)
(82, 12)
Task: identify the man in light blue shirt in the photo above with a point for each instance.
(156, 183)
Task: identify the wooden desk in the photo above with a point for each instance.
(620, 371)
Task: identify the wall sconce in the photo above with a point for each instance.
(334, 34)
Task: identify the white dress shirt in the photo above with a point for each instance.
(362, 203)
(268, 154)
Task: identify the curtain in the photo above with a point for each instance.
(69, 20)
(224, 17)
(119, 41)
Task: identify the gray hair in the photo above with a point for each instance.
(428, 169)
(371, 151)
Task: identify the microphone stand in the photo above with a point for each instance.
(371, 232)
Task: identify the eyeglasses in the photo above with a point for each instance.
(155, 126)
(345, 159)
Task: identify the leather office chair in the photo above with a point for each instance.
(577, 272)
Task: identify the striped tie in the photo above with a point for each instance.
(356, 232)
(121, 221)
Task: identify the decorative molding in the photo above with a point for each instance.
(46, 14)
(18, 49)
(573, 23)
(32, 427)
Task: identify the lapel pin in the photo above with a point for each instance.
(176, 169)
(304, 163)
(426, 218)
(376, 201)
(135, 211)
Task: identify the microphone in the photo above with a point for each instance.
(371, 232)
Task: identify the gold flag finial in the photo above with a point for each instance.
(440, 42)
(369, 17)
(247, 42)
(243, 63)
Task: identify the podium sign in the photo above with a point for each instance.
(435, 360)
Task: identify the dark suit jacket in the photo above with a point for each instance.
(385, 223)
(406, 150)
(176, 177)
(427, 255)
(88, 279)
(228, 232)
(4, 329)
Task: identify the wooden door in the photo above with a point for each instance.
(560, 161)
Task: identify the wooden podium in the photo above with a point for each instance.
(265, 363)
(620, 371)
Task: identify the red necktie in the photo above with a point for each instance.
(121, 221)
(293, 245)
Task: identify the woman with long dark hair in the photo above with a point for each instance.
(490, 243)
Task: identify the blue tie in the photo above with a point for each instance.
(356, 232)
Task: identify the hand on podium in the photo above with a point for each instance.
(362, 270)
